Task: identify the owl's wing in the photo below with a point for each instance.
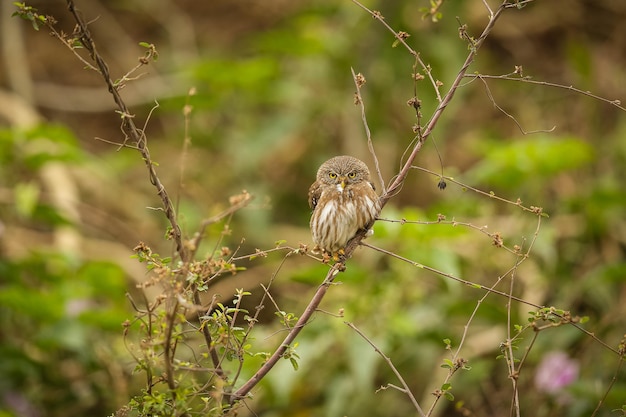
(315, 191)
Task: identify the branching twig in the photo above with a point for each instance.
(245, 389)
(130, 129)
(618, 369)
(510, 116)
(509, 77)
(401, 38)
(399, 179)
(455, 278)
(237, 203)
(405, 387)
(490, 194)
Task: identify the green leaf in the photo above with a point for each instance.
(447, 363)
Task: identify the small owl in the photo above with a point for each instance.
(343, 201)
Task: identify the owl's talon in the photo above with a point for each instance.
(339, 256)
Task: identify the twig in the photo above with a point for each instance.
(238, 202)
(130, 129)
(455, 278)
(489, 194)
(168, 349)
(510, 116)
(206, 332)
(399, 179)
(245, 389)
(359, 80)
(400, 38)
(618, 369)
(509, 77)
(405, 388)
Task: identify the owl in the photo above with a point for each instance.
(344, 201)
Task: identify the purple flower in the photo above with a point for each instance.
(555, 372)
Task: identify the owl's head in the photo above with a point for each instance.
(343, 171)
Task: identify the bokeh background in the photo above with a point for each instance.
(273, 98)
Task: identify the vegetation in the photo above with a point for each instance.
(155, 256)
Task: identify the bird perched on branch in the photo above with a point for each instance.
(344, 201)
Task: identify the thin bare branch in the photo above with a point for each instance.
(509, 77)
(405, 387)
(400, 37)
(507, 114)
(129, 127)
(359, 80)
(399, 179)
(245, 389)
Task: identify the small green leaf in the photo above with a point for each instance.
(447, 363)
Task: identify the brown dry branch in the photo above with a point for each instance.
(510, 116)
(132, 132)
(245, 389)
(401, 38)
(399, 179)
(135, 138)
(527, 79)
(396, 184)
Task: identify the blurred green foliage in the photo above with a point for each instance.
(274, 98)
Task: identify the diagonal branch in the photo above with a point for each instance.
(399, 179)
(405, 387)
(245, 389)
(132, 132)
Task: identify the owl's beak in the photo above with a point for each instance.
(343, 182)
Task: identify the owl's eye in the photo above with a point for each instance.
(352, 174)
(332, 175)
